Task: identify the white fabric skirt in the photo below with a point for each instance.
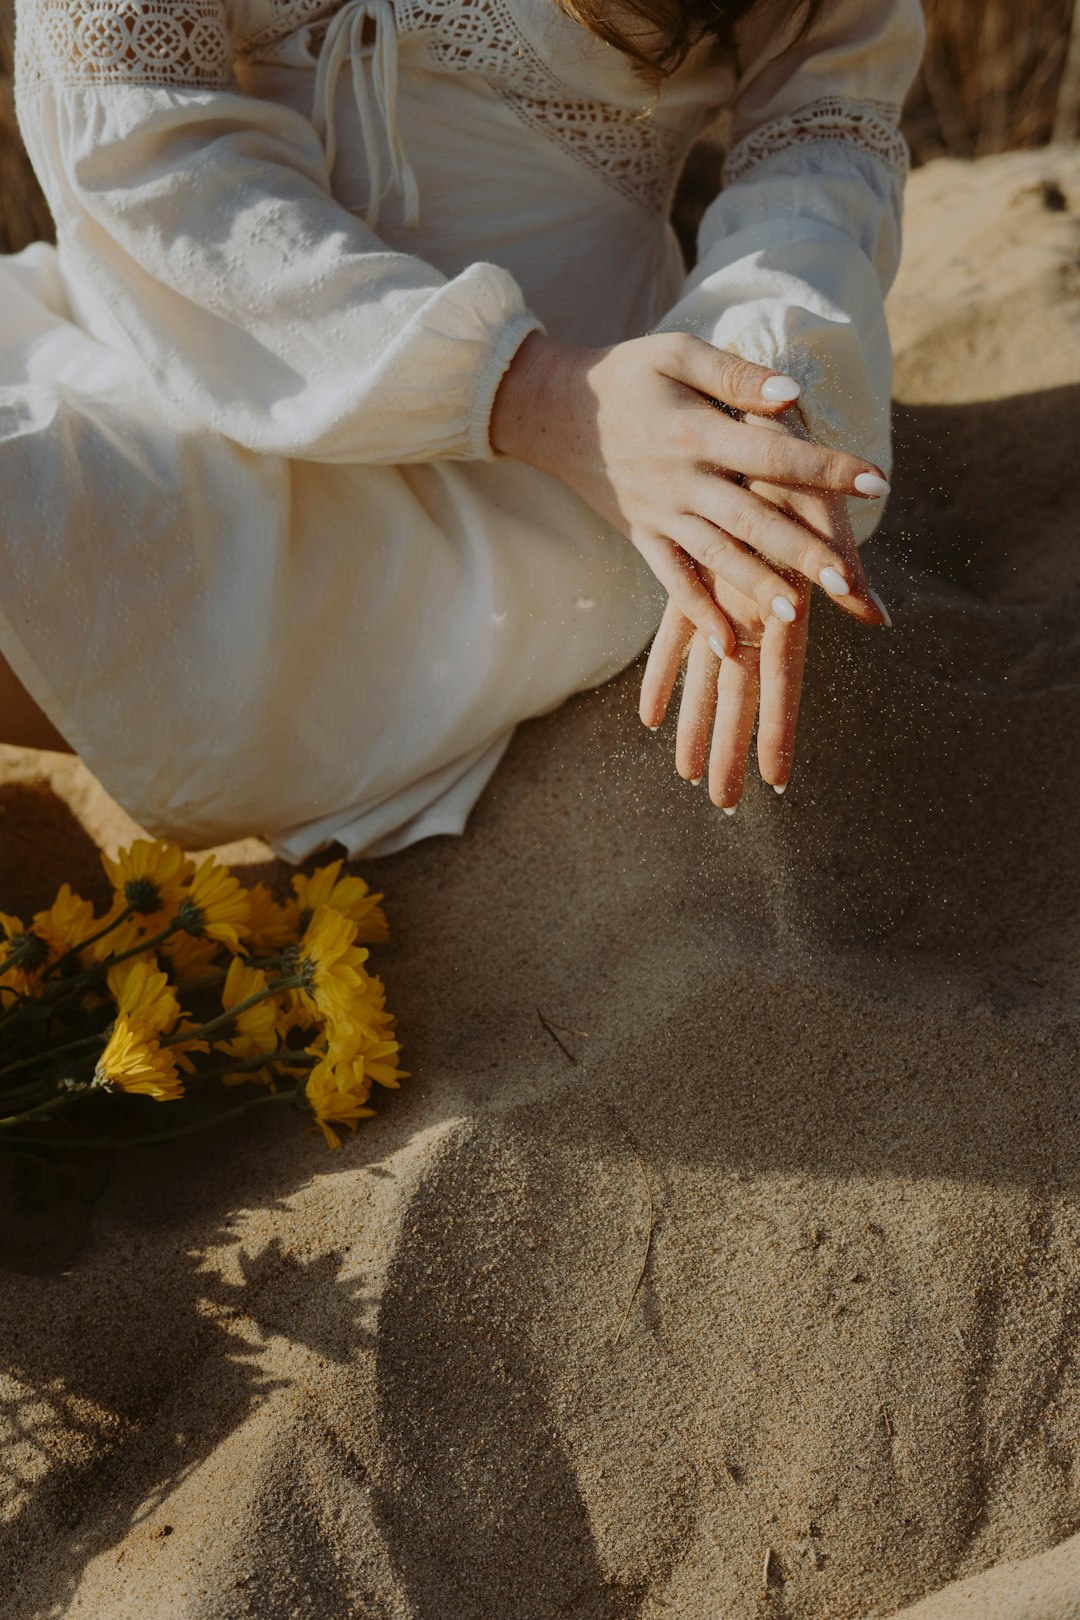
(239, 644)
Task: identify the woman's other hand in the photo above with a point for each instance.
(761, 679)
(635, 431)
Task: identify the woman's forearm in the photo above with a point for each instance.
(540, 400)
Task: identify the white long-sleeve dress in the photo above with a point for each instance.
(258, 561)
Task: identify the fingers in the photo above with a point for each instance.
(662, 665)
(684, 585)
(790, 542)
(728, 560)
(798, 463)
(696, 711)
(737, 688)
(783, 659)
(727, 377)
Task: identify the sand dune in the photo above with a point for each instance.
(766, 1305)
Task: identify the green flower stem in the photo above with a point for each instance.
(280, 1057)
(85, 944)
(15, 1008)
(264, 1100)
(99, 971)
(49, 1107)
(151, 944)
(201, 984)
(53, 1051)
(19, 1094)
(291, 983)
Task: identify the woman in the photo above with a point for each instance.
(324, 430)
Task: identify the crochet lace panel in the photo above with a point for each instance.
(633, 154)
(186, 43)
(155, 42)
(870, 125)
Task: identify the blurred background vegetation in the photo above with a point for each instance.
(997, 74)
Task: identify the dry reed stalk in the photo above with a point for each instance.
(1067, 115)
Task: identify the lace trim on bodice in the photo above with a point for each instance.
(185, 43)
(154, 42)
(631, 152)
(872, 126)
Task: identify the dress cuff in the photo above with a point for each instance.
(498, 363)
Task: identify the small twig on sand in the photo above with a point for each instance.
(652, 1225)
(568, 1029)
(552, 1029)
(887, 1420)
(766, 1571)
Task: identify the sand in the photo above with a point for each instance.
(762, 1297)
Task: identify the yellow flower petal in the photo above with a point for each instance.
(255, 1030)
(350, 895)
(272, 926)
(66, 923)
(144, 995)
(216, 906)
(150, 875)
(135, 1062)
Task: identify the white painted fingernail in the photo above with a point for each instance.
(695, 781)
(729, 809)
(717, 647)
(782, 788)
(783, 609)
(882, 609)
(778, 389)
(834, 582)
(872, 484)
(656, 727)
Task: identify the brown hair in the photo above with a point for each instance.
(670, 28)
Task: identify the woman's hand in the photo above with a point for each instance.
(635, 430)
(762, 679)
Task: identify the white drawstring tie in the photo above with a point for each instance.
(345, 38)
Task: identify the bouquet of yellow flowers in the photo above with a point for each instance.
(191, 978)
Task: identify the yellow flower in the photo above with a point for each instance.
(216, 906)
(150, 877)
(272, 926)
(335, 984)
(291, 1012)
(350, 895)
(67, 922)
(134, 1061)
(336, 1097)
(365, 1056)
(255, 1029)
(181, 1049)
(144, 995)
(126, 936)
(22, 957)
(189, 958)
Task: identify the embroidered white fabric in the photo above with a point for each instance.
(871, 125)
(632, 153)
(156, 42)
(184, 42)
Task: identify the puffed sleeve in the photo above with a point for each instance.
(196, 228)
(798, 250)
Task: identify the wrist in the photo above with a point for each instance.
(536, 399)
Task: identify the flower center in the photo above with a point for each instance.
(292, 962)
(143, 895)
(191, 919)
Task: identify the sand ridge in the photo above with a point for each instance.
(759, 1296)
